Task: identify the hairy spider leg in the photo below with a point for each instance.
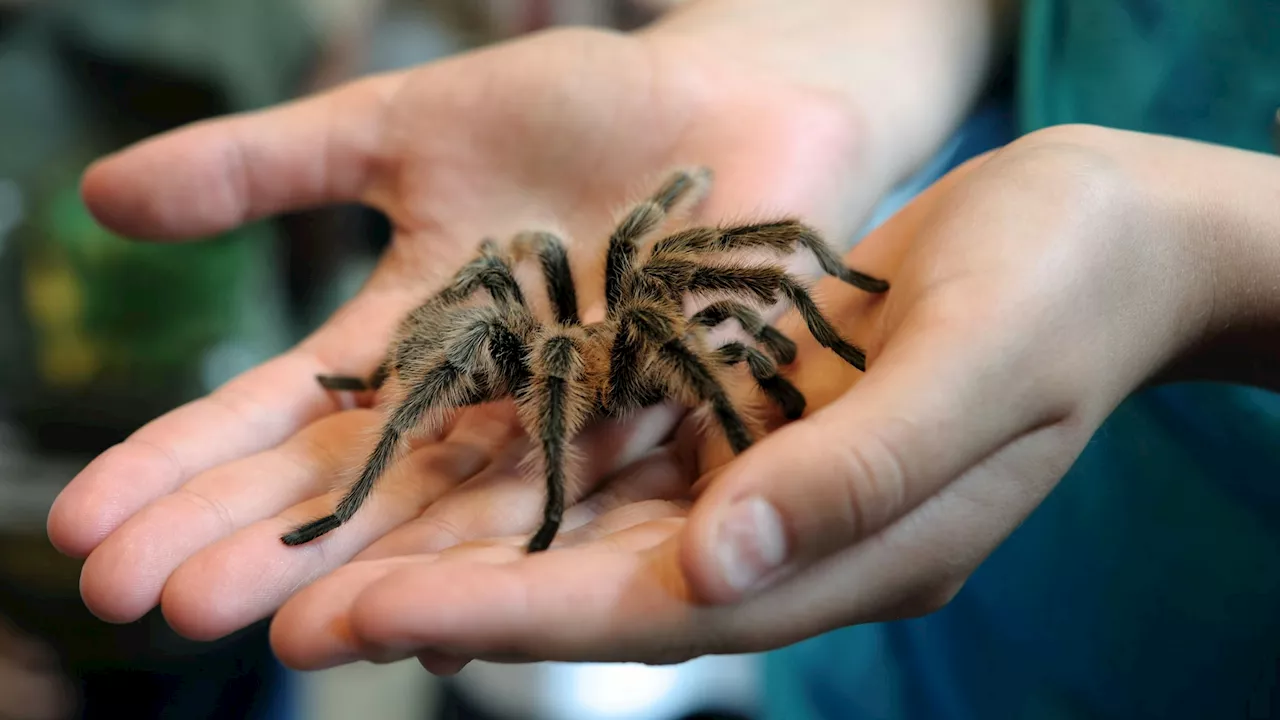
(629, 387)
(781, 347)
(783, 236)
(819, 326)
(449, 385)
(351, 383)
(652, 306)
(692, 374)
(647, 332)
(765, 372)
(556, 406)
(556, 272)
(640, 222)
(662, 280)
(488, 271)
(675, 274)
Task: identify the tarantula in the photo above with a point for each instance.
(450, 353)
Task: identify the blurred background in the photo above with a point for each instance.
(98, 335)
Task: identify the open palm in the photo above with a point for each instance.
(563, 127)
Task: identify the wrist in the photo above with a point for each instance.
(1216, 207)
(1228, 198)
(908, 70)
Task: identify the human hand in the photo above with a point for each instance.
(32, 686)
(1033, 289)
(188, 512)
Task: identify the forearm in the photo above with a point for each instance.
(911, 68)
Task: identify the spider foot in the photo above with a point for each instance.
(311, 531)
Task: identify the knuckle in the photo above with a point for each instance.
(872, 478)
(1076, 163)
(436, 533)
(210, 506)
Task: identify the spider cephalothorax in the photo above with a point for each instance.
(456, 350)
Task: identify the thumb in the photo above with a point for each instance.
(939, 399)
(217, 174)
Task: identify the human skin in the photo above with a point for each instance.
(1035, 288)
(32, 685)
(188, 511)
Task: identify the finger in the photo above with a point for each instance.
(939, 399)
(314, 626)
(247, 575)
(122, 579)
(504, 500)
(658, 477)
(614, 593)
(911, 568)
(215, 175)
(312, 629)
(628, 602)
(254, 411)
(251, 413)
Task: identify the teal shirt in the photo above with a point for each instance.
(1147, 585)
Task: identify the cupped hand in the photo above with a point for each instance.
(563, 127)
(1032, 289)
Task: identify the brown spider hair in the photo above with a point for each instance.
(451, 352)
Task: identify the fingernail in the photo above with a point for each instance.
(750, 543)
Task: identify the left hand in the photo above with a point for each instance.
(1033, 289)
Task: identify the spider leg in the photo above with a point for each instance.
(643, 326)
(764, 282)
(489, 270)
(352, 383)
(692, 373)
(765, 372)
(819, 326)
(643, 219)
(449, 384)
(435, 390)
(555, 270)
(648, 333)
(663, 279)
(781, 347)
(627, 389)
(780, 236)
(554, 409)
(689, 373)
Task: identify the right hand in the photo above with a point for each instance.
(188, 512)
(1034, 289)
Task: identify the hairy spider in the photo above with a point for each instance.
(450, 353)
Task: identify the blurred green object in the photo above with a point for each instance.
(139, 323)
(99, 333)
(119, 331)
